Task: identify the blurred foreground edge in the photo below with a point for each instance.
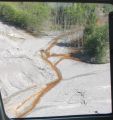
(82, 1)
(2, 111)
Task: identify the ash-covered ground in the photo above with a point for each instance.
(85, 88)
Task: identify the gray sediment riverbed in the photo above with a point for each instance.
(85, 88)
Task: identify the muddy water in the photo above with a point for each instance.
(85, 88)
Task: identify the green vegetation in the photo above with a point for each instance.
(79, 13)
(107, 8)
(96, 39)
(96, 45)
(37, 17)
(73, 15)
(29, 16)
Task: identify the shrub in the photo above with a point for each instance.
(96, 45)
(27, 16)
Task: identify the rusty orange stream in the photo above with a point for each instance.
(26, 107)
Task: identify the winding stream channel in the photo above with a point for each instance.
(35, 85)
